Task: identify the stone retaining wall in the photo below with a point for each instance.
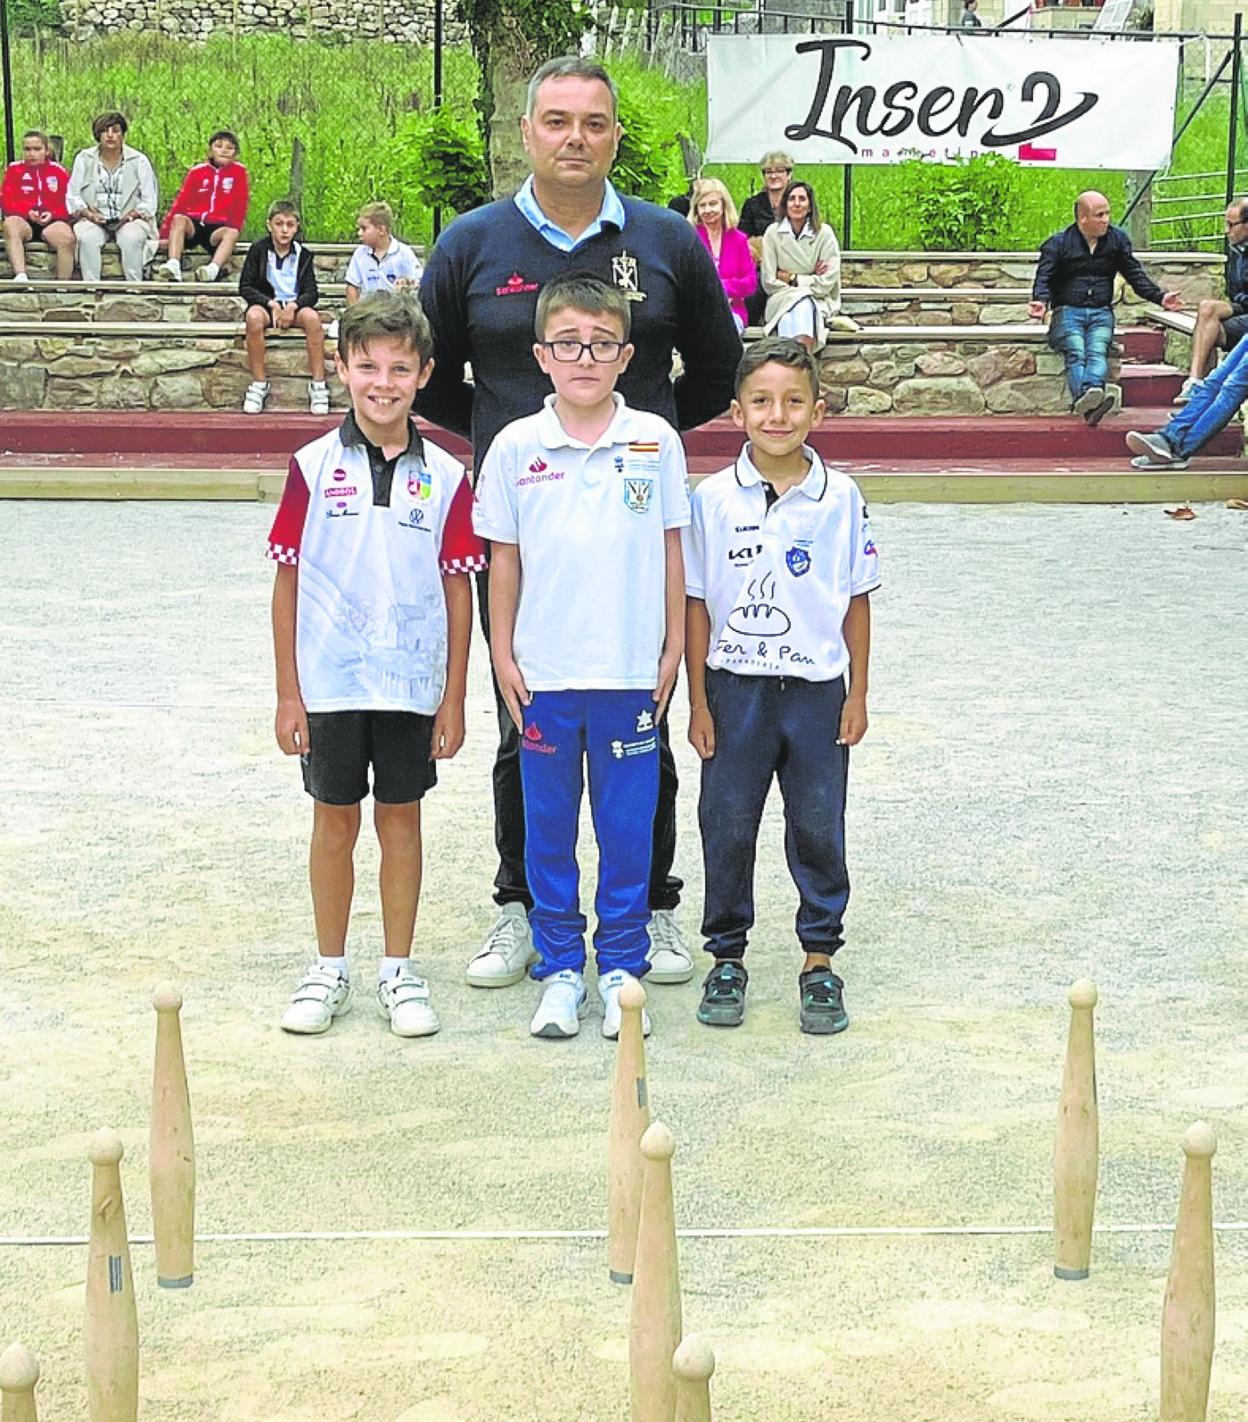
(405, 22)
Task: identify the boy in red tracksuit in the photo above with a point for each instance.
(209, 210)
(33, 202)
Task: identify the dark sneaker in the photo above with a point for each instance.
(723, 995)
(823, 1007)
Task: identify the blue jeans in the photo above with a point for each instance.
(770, 727)
(1082, 334)
(615, 732)
(1212, 406)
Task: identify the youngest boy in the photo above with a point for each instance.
(209, 210)
(372, 611)
(779, 561)
(582, 504)
(381, 262)
(278, 283)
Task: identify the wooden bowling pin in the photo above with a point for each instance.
(630, 1116)
(112, 1325)
(1187, 1320)
(654, 1325)
(693, 1363)
(1076, 1153)
(18, 1375)
(172, 1150)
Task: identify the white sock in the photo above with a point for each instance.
(210, 272)
(390, 968)
(334, 965)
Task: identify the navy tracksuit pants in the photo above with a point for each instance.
(765, 727)
(615, 733)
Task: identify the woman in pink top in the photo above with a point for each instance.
(714, 214)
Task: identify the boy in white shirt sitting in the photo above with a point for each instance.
(381, 262)
(582, 504)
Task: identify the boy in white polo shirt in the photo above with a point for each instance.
(582, 504)
(779, 562)
(381, 262)
(372, 612)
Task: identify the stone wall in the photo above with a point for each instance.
(402, 21)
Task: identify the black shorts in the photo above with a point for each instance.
(1234, 329)
(37, 229)
(202, 235)
(397, 744)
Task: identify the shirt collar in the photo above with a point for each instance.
(379, 258)
(814, 485)
(352, 436)
(279, 261)
(553, 435)
(611, 214)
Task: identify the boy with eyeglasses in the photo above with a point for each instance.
(582, 504)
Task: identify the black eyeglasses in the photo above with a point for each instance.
(569, 352)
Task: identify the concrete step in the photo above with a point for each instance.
(218, 438)
(1144, 385)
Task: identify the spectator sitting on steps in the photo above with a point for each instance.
(1075, 278)
(1221, 324)
(1214, 403)
(801, 271)
(381, 262)
(209, 210)
(278, 284)
(33, 203)
(113, 196)
(714, 218)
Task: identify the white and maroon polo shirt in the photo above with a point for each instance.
(777, 578)
(370, 628)
(590, 521)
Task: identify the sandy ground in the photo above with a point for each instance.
(1051, 787)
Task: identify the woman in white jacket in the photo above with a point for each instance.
(801, 270)
(112, 194)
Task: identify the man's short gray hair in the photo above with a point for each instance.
(570, 66)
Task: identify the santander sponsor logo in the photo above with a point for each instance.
(539, 473)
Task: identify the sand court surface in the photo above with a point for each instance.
(1053, 786)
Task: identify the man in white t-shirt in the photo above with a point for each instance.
(582, 504)
(381, 262)
(779, 562)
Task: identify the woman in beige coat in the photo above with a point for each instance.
(801, 270)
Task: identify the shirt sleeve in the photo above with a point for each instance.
(355, 270)
(674, 481)
(693, 545)
(286, 535)
(864, 575)
(494, 514)
(462, 551)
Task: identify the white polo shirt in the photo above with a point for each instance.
(590, 523)
(368, 272)
(777, 581)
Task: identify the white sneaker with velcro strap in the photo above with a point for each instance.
(403, 1001)
(321, 996)
(254, 397)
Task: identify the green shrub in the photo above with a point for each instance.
(439, 160)
(963, 206)
(26, 16)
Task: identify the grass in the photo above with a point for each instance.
(345, 102)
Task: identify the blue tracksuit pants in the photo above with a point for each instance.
(774, 727)
(614, 731)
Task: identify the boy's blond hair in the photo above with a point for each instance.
(380, 214)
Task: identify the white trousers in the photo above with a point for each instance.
(131, 237)
(798, 320)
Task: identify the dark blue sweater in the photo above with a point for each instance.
(480, 292)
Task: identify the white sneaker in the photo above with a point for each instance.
(507, 952)
(609, 985)
(321, 996)
(563, 1003)
(403, 1001)
(20, 276)
(318, 397)
(170, 269)
(255, 396)
(1186, 391)
(208, 272)
(669, 957)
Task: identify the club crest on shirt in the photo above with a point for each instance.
(637, 493)
(420, 484)
(53, 182)
(624, 275)
(797, 560)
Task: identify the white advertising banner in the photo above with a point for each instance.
(1060, 103)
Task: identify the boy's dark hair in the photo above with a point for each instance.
(385, 315)
(37, 133)
(225, 133)
(108, 119)
(282, 207)
(815, 221)
(782, 350)
(582, 292)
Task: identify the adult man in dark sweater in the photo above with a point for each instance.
(480, 293)
(1075, 278)
(1220, 325)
